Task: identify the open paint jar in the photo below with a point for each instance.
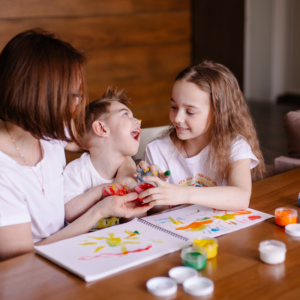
(272, 251)
(285, 216)
(210, 244)
(194, 258)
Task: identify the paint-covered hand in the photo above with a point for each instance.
(153, 169)
(120, 206)
(164, 194)
(116, 189)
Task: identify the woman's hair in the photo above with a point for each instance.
(40, 78)
(230, 116)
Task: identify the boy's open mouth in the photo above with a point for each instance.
(136, 133)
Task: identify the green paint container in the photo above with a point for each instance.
(193, 258)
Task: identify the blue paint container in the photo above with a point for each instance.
(299, 199)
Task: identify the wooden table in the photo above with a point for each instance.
(237, 271)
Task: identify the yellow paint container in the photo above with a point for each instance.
(210, 244)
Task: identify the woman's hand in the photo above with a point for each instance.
(120, 206)
(164, 194)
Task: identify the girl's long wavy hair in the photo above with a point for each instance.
(230, 116)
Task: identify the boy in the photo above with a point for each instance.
(112, 134)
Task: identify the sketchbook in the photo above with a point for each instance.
(98, 254)
(198, 221)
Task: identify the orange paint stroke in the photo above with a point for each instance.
(108, 255)
(245, 212)
(194, 225)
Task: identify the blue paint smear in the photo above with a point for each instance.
(215, 229)
(162, 219)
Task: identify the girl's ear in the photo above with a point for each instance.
(100, 129)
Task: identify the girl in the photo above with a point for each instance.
(42, 94)
(211, 143)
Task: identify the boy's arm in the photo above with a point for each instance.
(80, 204)
(125, 173)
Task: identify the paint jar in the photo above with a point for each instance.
(193, 258)
(210, 244)
(285, 216)
(272, 251)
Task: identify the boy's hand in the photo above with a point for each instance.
(154, 169)
(109, 189)
(120, 206)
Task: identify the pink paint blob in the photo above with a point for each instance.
(252, 218)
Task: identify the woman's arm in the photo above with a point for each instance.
(83, 202)
(235, 196)
(17, 239)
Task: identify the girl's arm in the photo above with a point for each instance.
(235, 196)
(17, 239)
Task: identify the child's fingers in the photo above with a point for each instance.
(165, 175)
(155, 179)
(142, 165)
(155, 170)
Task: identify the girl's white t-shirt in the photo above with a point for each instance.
(21, 197)
(193, 171)
(80, 176)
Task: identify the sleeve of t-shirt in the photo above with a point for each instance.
(74, 183)
(13, 206)
(241, 150)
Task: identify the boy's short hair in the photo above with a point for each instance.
(99, 107)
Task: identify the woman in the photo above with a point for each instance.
(42, 97)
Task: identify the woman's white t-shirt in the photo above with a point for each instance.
(21, 197)
(193, 171)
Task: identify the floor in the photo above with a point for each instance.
(268, 120)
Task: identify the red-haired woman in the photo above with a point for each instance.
(42, 96)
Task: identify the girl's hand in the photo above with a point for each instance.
(120, 206)
(164, 194)
(154, 169)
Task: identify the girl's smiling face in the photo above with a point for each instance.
(190, 111)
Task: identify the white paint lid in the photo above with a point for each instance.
(199, 286)
(180, 274)
(161, 286)
(293, 229)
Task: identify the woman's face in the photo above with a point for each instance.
(190, 111)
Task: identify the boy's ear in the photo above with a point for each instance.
(100, 129)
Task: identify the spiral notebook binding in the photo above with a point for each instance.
(163, 230)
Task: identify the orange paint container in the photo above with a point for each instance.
(285, 216)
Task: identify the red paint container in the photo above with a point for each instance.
(285, 216)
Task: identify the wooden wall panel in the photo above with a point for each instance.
(132, 44)
(70, 8)
(90, 33)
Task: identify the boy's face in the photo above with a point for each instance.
(123, 128)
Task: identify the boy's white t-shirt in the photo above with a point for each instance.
(193, 171)
(21, 197)
(80, 176)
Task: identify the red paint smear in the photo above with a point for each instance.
(108, 255)
(110, 190)
(141, 187)
(194, 225)
(252, 218)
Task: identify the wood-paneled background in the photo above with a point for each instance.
(139, 45)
